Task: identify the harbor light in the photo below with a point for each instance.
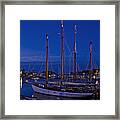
(94, 77)
(26, 81)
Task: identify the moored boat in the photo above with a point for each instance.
(46, 91)
(64, 92)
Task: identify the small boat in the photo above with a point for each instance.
(46, 91)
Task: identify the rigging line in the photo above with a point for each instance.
(87, 67)
(28, 67)
(51, 66)
(32, 68)
(69, 64)
(50, 62)
(94, 53)
(95, 65)
(77, 68)
(41, 51)
(24, 66)
(41, 66)
(68, 47)
(58, 67)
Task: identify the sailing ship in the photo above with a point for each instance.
(62, 89)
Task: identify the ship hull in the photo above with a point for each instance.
(59, 93)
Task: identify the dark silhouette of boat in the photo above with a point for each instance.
(59, 92)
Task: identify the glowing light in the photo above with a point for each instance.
(94, 76)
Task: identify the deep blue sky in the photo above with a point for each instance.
(32, 40)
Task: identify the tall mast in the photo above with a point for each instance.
(46, 56)
(74, 52)
(62, 50)
(90, 48)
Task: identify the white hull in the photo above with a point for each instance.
(59, 93)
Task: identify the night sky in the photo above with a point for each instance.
(33, 39)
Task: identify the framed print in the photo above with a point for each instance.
(60, 59)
